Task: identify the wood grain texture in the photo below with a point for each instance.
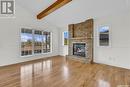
(58, 4)
(59, 72)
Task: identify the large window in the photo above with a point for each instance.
(35, 42)
(66, 36)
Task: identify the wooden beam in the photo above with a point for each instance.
(58, 4)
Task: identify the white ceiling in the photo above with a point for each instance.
(75, 11)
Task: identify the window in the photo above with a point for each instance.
(35, 42)
(46, 42)
(104, 36)
(26, 42)
(48, 35)
(66, 36)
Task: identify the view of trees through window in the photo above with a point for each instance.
(26, 42)
(46, 42)
(66, 36)
(35, 42)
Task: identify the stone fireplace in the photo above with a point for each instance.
(81, 41)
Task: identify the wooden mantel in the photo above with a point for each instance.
(52, 8)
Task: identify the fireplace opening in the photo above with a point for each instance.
(79, 49)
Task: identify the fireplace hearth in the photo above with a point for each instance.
(79, 49)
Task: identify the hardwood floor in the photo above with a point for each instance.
(59, 72)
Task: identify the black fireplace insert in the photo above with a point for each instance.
(79, 49)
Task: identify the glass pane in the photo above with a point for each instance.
(66, 36)
(26, 42)
(37, 42)
(104, 36)
(46, 42)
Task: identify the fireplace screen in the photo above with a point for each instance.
(79, 49)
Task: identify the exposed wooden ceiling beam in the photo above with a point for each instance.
(52, 8)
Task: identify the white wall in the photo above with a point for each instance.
(10, 36)
(118, 54)
(63, 50)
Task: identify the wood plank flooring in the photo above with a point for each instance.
(59, 72)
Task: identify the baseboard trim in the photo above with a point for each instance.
(117, 66)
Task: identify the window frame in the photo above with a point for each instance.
(33, 54)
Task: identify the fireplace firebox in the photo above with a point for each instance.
(79, 49)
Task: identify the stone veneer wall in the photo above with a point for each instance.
(82, 33)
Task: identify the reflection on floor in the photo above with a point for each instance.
(59, 72)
